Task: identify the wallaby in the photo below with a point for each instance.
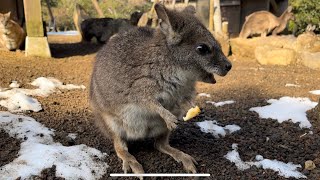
(263, 22)
(144, 79)
(103, 28)
(11, 34)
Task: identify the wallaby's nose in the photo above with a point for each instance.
(228, 66)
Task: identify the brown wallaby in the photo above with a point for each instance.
(263, 22)
(144, 78)
(11, 34)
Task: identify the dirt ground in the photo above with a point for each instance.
(248, 83)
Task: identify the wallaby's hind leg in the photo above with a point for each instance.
(128, 161)
(162, 144)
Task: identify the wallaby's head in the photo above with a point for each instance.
(288, 14)
(191, 44)
(4, 18)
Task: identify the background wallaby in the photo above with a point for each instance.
(11, 34)
(143, 79)
(263, 22)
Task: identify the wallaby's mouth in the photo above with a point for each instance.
(208, 78)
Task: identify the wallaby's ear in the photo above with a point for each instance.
(163, 17)
(289, 9)
(7, 14)
(190, 9)
(165, 25)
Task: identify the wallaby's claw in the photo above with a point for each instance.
(171, 125)
(188, 163)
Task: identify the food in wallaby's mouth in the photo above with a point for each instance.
(192, 112)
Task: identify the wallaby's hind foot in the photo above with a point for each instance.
(188, 162)
(129, 162)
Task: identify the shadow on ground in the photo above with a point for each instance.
(59, 50)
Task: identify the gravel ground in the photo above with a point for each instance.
(248, 84)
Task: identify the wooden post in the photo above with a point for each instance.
(211, 14)
(217, 17)
(97, 7)
(225, 28)
(32, 11)
(36, 43)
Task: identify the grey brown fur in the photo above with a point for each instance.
(263, 22)
(11, 34)
(144, 80)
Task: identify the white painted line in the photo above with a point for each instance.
(159, 175)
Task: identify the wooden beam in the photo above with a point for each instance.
(32, 11)
(211, 14)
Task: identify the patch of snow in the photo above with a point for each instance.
(292, 85)
(315, 92)
(217, 104)
(39, 151)
(204, 95)
(213, 128)
(284, 169)
(17, 99)
(67, 33)
(287, 108)
(50, 85)
(72, 135)
(20, 102)
(14, 84)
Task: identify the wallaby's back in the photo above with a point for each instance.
(261, 22)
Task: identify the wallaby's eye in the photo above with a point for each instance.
(203, 49)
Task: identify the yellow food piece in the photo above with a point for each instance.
(193, 112)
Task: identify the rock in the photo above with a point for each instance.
(308, 42)
(311, 60)
(266, 55)
(243, 47)
(309, 165)
(246, 47)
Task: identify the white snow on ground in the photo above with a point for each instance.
(316, 92)
(69, 33)
(216, 130)
(14, 84)
(217, 104)
(284, 169)
(287, 108)
(204, 95)
(292, 85)
(17, 99)
(21, 102)
(39, 151)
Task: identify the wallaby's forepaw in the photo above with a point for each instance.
(172, 123)
(188, 163)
